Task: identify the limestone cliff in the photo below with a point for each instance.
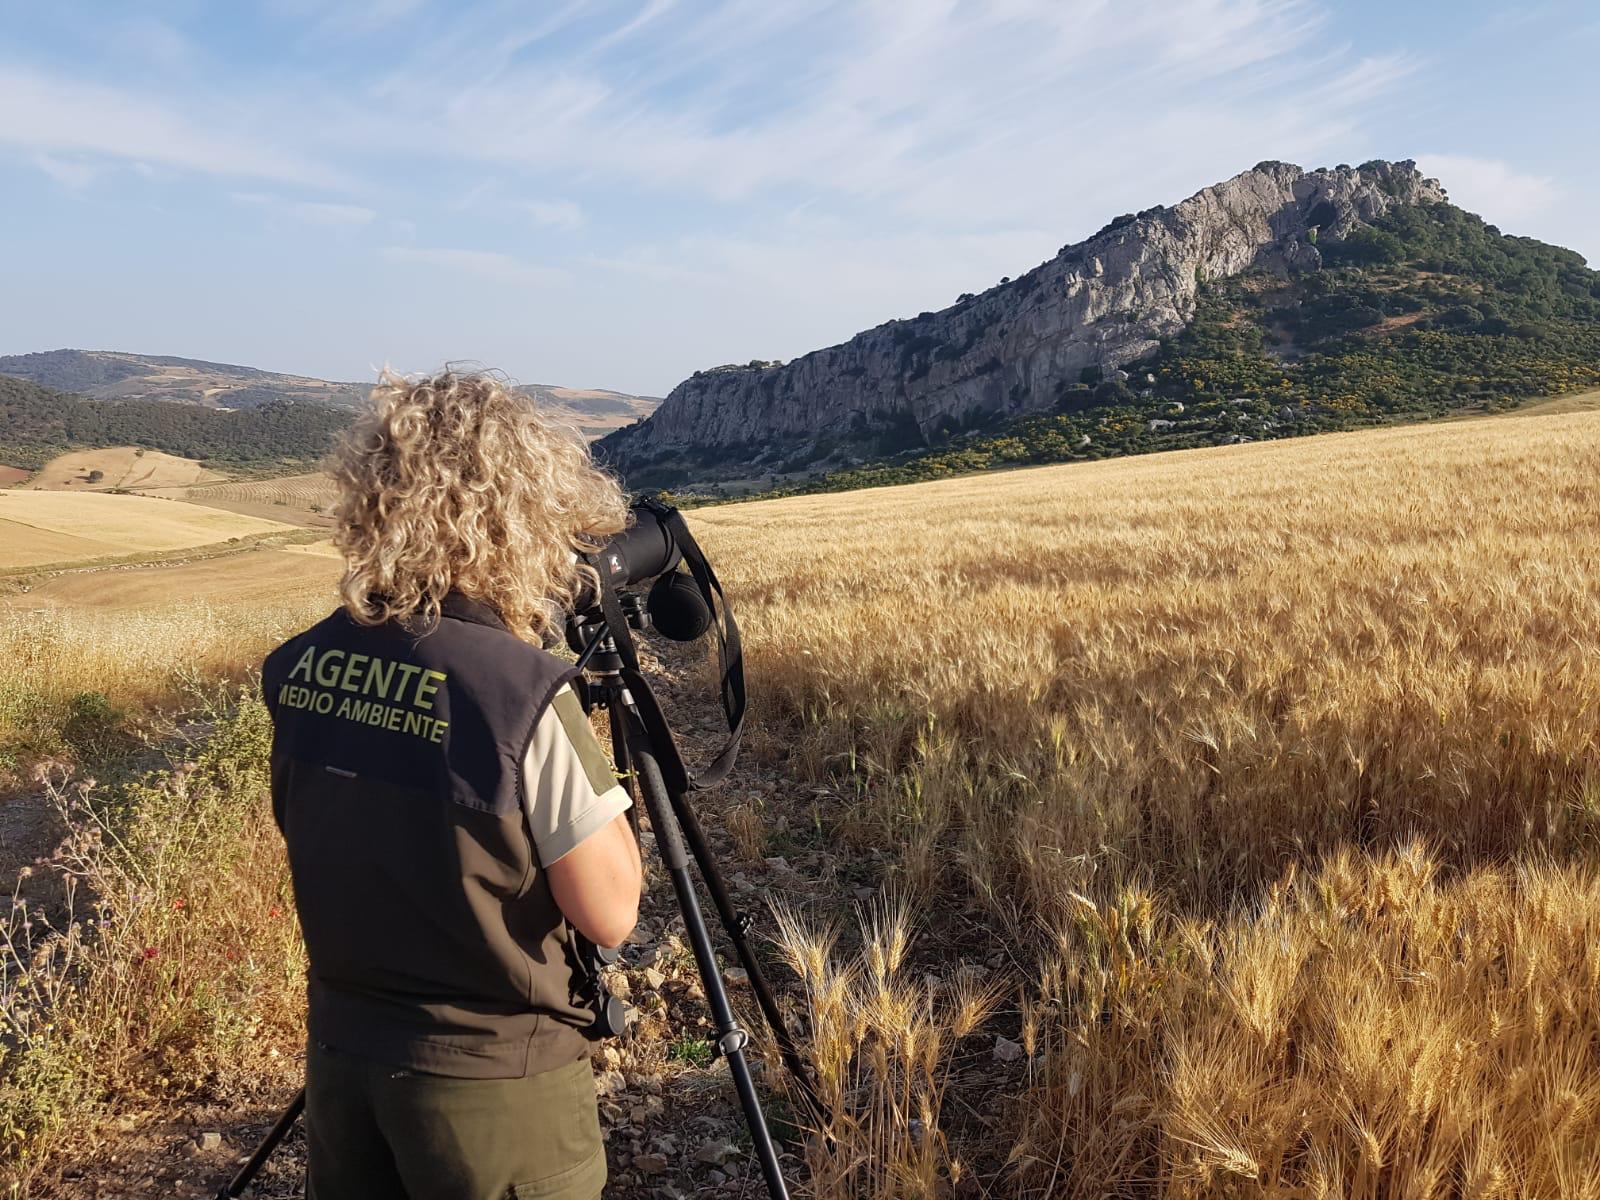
(1104, 302)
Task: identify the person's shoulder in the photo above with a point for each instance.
(492, 661)
(501, 645)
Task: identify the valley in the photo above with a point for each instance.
(260, 424)
(42, 530)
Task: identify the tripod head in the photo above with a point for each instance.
(681, 605)
(653, 548)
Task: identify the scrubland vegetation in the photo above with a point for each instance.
(158, 955)
(80, 681)
(40, 422)
(1273, 770)
(165, 961)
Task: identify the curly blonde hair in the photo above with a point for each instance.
(458, 482)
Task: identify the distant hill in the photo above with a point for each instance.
(594, 411)
(37, 423)
(64, 399)
(1277, 303)
(115, 375)
(118, 375)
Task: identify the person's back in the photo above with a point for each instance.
(448, 814)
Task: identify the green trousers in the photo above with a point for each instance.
(378, 1133)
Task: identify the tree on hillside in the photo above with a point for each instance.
(36, 423)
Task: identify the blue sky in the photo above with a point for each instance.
(616, 193)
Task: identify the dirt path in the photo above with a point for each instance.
(30, 830)
(672, 1120)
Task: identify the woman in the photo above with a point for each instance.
(449, 816)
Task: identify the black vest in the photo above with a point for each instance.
(433, 940)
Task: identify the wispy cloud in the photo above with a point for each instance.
(72, 174)
(482, 264)
(762, 177)
(309, 212)
(946, 112)
(555, 214)
(1491, 187)
(64, 116)
(649, 11)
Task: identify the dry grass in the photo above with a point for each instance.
(78, 677)
(1206, 664)
(141, 656)
(170, 964)
(883, 1039)
(165, 959)
(276, 571)
(1572, 402)
(1122, 705)
(1380, 1026)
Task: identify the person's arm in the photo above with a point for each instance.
(577, 814)
(597, 884)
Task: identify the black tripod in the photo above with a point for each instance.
(679, 838)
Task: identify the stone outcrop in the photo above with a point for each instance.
(1104, 302)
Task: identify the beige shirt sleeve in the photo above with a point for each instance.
(568, 789)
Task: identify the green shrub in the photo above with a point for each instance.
(172, 965)
(93, 726)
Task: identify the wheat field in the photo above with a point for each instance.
(296, 491)
(38, 528)
(128, 467)
(1276, 766)
(304, 499)
(1273, 769)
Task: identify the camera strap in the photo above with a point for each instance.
(730, 663)
(730, 650)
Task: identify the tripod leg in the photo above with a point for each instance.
(276, 1134)
(736, 924)
(732, 1039)
(616, 718)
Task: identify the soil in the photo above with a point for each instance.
(30, 830)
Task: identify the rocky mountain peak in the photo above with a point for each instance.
(1105, 303)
